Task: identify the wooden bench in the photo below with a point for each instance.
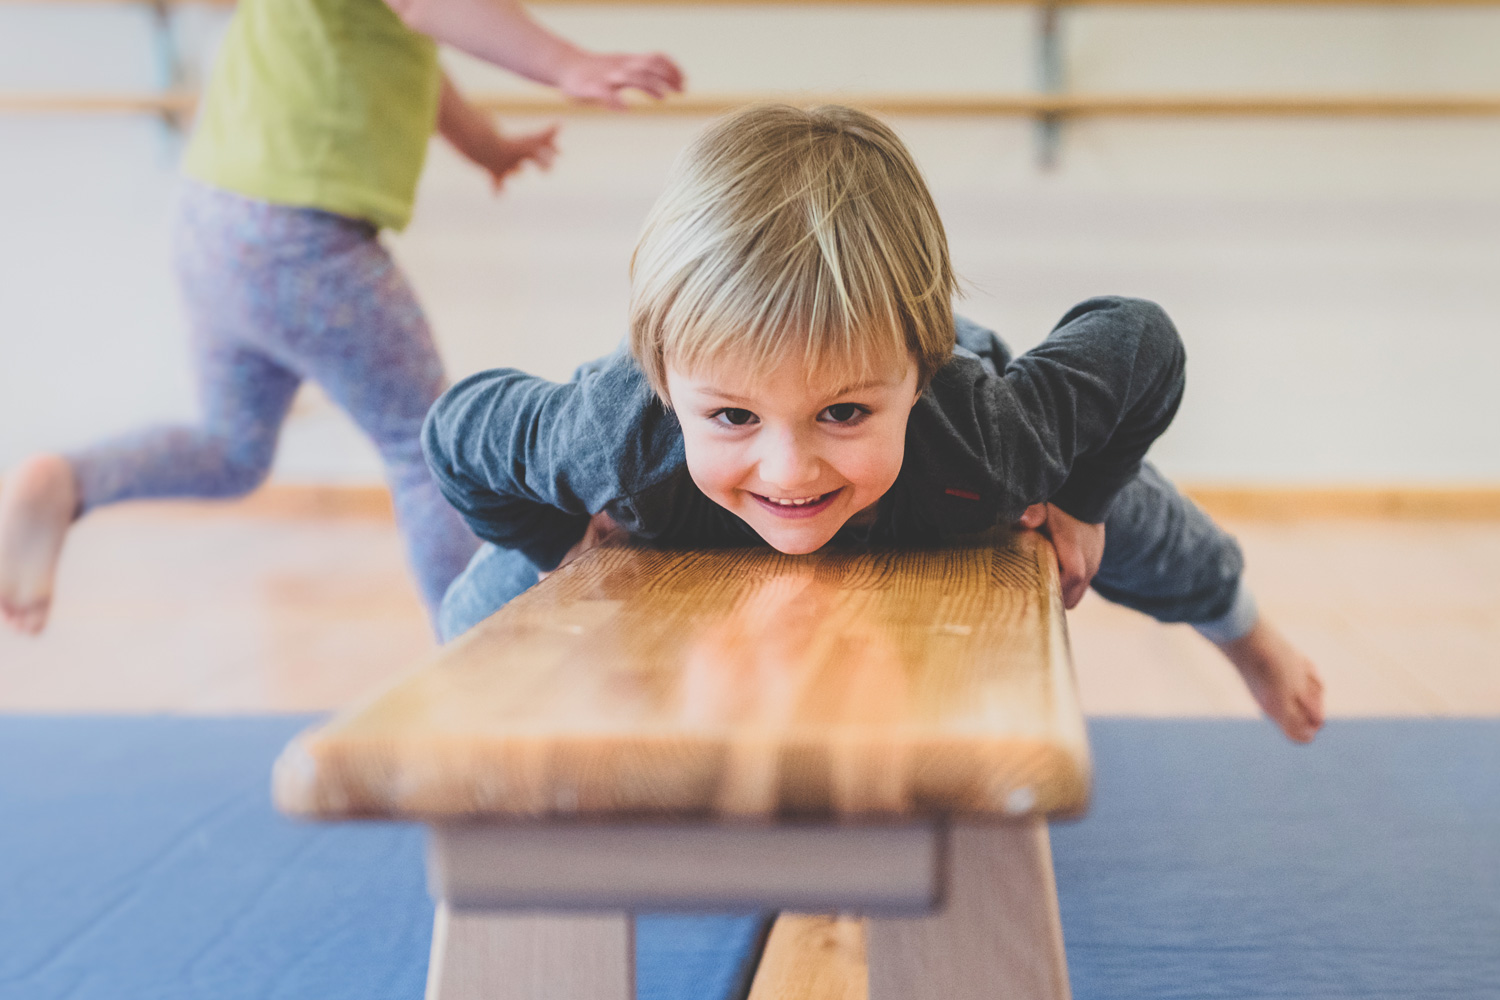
(879, 734)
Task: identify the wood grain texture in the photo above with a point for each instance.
(1235, 501)
(508, 956)
(813, 958)
(737, 684)
(999, 932)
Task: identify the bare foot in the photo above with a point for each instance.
(38, 502)
(1282, 679)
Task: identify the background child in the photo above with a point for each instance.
(311, 139)
(795, 376)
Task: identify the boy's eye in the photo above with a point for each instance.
(844, 413)
(734, 415)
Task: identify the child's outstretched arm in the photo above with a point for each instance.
(1081, 410)
(1069, 422)
(503, 33)
(527, 462)
(473, 134)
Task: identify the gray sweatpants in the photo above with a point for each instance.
(275, 295)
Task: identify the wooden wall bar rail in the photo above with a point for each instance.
(1051, 105)
(954, 105)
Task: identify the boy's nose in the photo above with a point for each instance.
(788, 465)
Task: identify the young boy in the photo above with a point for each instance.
(795, 375)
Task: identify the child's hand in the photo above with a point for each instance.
(602, 530)
(600, 78)
(510, 153)
(1079, 545)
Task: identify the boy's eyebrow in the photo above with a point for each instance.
(869, 383)
(713, 390)
(874, 383)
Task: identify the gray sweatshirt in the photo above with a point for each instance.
(526, 461)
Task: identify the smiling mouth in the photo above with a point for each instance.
(796, 506)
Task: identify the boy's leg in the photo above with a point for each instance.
(38, 501)
(365, 340)
(1165, 557)
(245, 398)
(244, 394)
(491, 580)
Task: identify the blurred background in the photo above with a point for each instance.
(1333, 276)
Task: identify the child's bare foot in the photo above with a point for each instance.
(38, 501)
(1282, 679)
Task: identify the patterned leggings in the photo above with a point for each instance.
(275, 295)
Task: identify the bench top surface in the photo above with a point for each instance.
(739, 684)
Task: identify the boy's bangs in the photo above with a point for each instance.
(721, 344)
(800, 315)
(790, 236)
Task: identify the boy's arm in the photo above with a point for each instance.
(501, 32)
(1128, 369)
(473, 134)
(1067, 422)
(526, 461)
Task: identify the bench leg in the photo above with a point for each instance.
(495, 955)
(998, 934)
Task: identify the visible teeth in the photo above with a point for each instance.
(795, 503)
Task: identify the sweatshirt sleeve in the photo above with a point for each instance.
(526, 461)
(1070, 420)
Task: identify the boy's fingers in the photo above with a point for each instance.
(1072, 593)
(663, 67)
(545, 149)
(1074, 596)
(664, 79)
(655, 77)
(1073, 576)
(1033, 517)
(642, 82)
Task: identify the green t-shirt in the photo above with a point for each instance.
(322, 104)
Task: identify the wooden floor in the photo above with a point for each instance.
(176, 608)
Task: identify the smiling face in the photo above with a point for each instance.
(795, 455)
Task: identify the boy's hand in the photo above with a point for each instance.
(510, 153)
(1079, 545)
(472, 132)
(602, 530)
(600, 78)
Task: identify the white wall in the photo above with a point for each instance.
(1335, 280)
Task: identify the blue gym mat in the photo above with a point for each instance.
(140, 858)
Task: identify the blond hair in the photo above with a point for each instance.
(792, 234)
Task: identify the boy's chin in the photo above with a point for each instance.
(797, 541)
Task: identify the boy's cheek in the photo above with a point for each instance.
(711, 471)
(882, 464)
